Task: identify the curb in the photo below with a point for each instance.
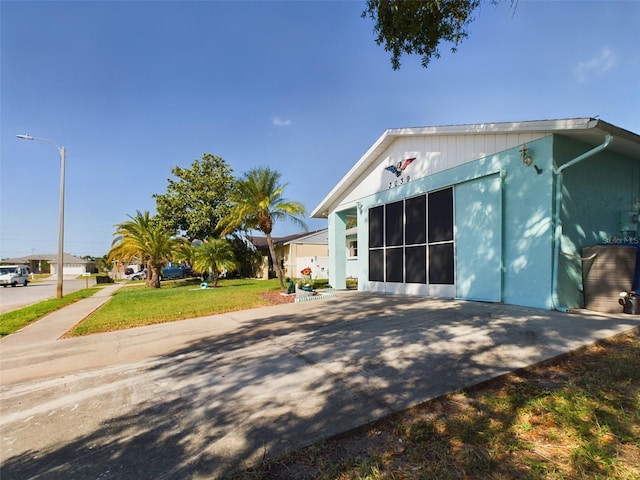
(314, 297)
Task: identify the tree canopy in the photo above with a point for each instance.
(419, 26)
(257, 202)
(214, 257)
(197, 200)
(143, 238)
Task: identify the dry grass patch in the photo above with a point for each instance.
(577, 417)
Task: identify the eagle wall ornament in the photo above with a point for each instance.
(398, 169)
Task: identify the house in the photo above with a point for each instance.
(39, 263)
(497, 212)
(296, 252)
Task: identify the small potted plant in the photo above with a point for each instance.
(305, 281)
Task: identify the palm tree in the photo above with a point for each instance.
(214, 256)
(185, 253)
(143, 238)
(257, 202)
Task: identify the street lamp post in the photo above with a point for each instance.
(62, 152)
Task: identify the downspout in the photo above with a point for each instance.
(557, 240)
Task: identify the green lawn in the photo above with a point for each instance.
(138, 306)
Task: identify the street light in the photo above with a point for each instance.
(61, 150)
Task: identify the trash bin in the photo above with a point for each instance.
(630, 304)
(607, 271)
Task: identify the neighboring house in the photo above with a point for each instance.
(496, 212)
(48, 264)
(296, 252)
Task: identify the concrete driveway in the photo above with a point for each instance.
(204, 397)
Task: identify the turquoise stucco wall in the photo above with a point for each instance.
(337, 250)
(595, 191)
(527, 226)
(526, 199)
(478, 220)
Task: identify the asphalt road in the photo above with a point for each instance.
(12, 298)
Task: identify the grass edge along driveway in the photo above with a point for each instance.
(16, 319)
(139, 306)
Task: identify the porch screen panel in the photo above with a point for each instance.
(376, 244)
(394, 265)
(441, 216)
(411, 241)
(415, 229)
(376, 227)
(416, 264)
(441, 264)
(376, 265)
(393, 225)
(440, 237)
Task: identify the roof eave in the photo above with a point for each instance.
(552, 126)
(322, 210)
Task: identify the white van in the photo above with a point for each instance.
(14, 275)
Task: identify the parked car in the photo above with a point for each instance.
(172, 273)
(141, 275)
(14, 275)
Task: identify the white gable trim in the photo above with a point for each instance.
(589, 130)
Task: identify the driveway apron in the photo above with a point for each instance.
(205, 397)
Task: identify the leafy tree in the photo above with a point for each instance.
(104, 265)
(256, 203)
(214, 256)
(419, 26)
(185, 253)
(144, 238)
(195, 202)
(249, 259)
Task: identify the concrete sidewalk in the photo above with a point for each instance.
(53, 326)
(201, 398)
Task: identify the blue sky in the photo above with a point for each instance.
(132, 89)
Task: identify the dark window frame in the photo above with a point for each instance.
(408, 233)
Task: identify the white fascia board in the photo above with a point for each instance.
(387, 138)
(618, 132)
(322, 210)
(500, 127)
